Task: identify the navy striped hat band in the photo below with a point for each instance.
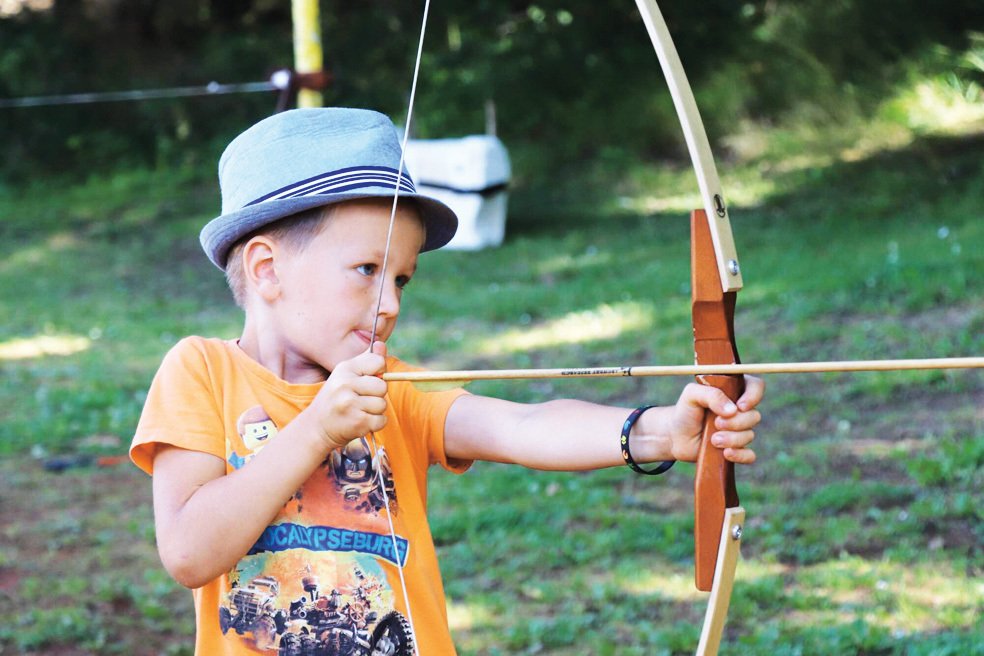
(341, 181)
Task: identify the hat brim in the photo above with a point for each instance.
(221, 233)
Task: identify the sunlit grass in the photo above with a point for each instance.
(36, 254)
(934, 105)
(945, 102)
(608, 321)
(676, 584)
(43, 345)
(901, 597)
(767, 156)
(463, 616)
(11, 8)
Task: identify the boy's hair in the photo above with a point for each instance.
(293, 233)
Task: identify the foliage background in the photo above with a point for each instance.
(574, 82)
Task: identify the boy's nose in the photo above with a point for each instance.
(389, 305)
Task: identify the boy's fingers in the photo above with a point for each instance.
(373, 405)
(740, 456)
(739, 422)
(369, 386)
(732, 439)
(369, 363)
(376, 423)
(754, 391)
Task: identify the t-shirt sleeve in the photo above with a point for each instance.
(181, 408)
(425, 413)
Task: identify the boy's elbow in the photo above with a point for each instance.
(185, 569)
(188, 579)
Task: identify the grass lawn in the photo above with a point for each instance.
(865, 519)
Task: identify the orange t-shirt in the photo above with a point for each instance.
(322, 577)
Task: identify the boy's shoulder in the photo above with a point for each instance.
(196, 346)
(195, 353)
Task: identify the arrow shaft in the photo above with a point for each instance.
(688, 370)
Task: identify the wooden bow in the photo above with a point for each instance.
(715, 280)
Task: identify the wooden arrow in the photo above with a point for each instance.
(462, 377)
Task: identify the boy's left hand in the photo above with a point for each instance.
(734, 423)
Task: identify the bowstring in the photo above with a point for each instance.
(375, 320)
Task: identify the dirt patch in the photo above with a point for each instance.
(80, 573)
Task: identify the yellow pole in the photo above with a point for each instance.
(308, 57)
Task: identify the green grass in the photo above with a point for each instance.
(865, 519)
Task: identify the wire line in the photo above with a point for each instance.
(210, 89)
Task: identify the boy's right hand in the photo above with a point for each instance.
(352, 402)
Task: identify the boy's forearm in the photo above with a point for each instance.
(564, 435)
(220, 520)
(575, 435)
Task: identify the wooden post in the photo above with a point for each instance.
(308, 56)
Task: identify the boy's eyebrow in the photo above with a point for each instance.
(379, 254)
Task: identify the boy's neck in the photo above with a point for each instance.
(264, 345)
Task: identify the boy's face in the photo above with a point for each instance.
(330, 287)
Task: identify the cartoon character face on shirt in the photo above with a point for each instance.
(352, 464)
(357, 473)
(256, 428)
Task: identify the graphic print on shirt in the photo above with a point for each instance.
(357, 476)
(317, 580)
(255, 428)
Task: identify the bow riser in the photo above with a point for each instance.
(714, 343)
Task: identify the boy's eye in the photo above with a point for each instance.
(370, 270)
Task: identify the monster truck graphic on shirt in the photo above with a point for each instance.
(339, 623)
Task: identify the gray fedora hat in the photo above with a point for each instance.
(306, 158)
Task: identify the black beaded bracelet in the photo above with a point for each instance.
(627, 455)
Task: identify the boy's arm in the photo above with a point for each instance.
(207, 520)
(574, 435)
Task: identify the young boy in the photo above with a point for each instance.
(290, 481)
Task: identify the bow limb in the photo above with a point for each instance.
(726, 255)
(724, 577)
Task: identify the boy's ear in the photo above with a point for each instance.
(258, 266)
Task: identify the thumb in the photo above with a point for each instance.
(372, 362)
(711, 398)
(721, 405)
